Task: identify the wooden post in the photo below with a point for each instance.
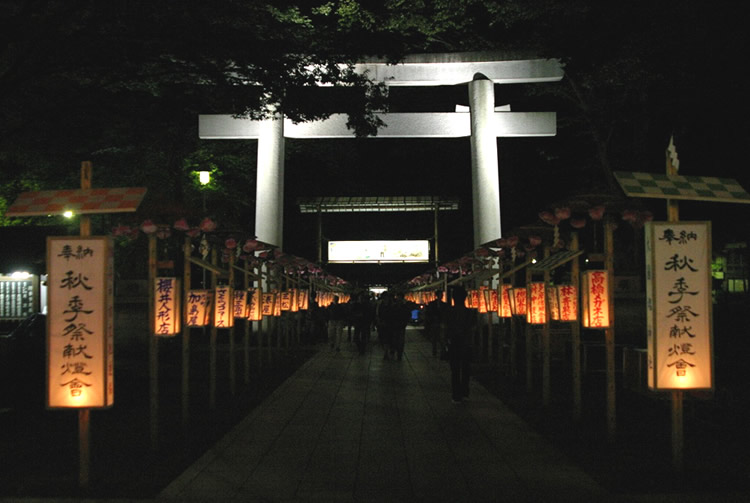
(248, 329)
(84, 415)
(186, 283)
(575, 271)
(529, 341)
(609, 333)
(212, 345)
(232, 369)
(546, 351)
(153, 345)
(678, 437)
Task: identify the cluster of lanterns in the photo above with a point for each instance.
(534, 300)
(221, 306)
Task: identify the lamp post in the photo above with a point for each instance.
(204, 177)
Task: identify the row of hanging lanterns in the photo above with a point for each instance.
(219, 307)
(534, 300)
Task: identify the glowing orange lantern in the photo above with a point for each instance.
(595, 285)
(503, 302)
(536, 308)
(223, 316)
(253, 304)
(303, 300)
(285, 301)
(239, 304)
(518, 301)
(167, 312)
(198, 310)
(566, 298)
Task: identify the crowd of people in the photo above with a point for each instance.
(448, 325)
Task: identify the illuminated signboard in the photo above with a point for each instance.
(379, 251)
(18, 297)
(678, 292)
(595, 309)
(80, 334)
(223, 307)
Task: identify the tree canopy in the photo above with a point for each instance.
(122, 83)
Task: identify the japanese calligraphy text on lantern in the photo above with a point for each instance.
(536, 311)
(503, 308)
(198, 308)
(167, 309)
(595, 299)
(80, 334)
(223, 307)
(678, 291)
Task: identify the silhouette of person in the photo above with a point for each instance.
(460, 323)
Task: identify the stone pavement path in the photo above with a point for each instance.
(347, 427)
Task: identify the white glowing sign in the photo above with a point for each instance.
(678, 291)
(379, 251)
(80, 333)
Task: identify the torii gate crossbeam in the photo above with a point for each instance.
(483, 125)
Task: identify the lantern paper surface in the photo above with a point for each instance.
(267, 303)
(285, 300)
(198, 308)
(595, 285)
(167, 312)
(567, 302)
(503, 308)
(552, 305)
(239, 304)
(223, 315)
(303, 299)
(253, 304)
(679, 312)
(80, 333)
(536, 308)
(518, 303)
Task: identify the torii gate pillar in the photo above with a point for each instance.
(485, 181)
(269, 192)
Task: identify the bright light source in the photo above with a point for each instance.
(20, 275)
(68, 214)
(204, 177)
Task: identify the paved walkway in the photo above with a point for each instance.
(347, 427)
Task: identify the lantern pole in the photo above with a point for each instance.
(153, 344)
(546, 356)
(529, 342)
(84, 415)
(232, 369)
(609, 333)
(186, 282)
(678, 437)
(575, 272)
(248, 327)
(212, 341)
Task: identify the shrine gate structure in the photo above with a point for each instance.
(483, 123)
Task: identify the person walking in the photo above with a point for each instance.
(460, 325)
(336, 315)
(434, 320)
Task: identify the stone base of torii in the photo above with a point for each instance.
(483, 124)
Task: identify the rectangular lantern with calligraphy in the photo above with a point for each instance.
(268, 299)
(285, 300)
(239, 304)
(253, 304)
(167, 313)
(679, 312)
(595, 285)
(536, 308)
(303, 299)
(567, 302)
(80, 333)
(518, 301)
(198, 308)
(503, 303)
(223, 313)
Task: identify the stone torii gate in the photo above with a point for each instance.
(483, 124)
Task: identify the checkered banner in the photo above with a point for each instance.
(79, 201)
(694, 188)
